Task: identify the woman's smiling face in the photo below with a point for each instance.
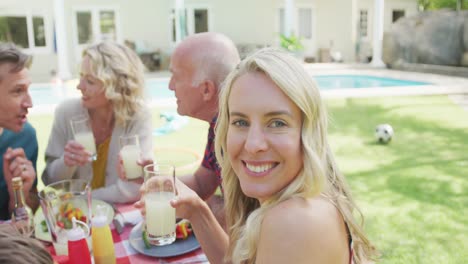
(264, 136)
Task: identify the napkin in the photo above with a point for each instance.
(121, 219)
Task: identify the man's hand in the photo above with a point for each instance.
(16, 164)
(121, 169)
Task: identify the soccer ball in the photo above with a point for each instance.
(384, 133)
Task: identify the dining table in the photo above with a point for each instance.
(125, 253)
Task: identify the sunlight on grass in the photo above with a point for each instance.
(413, 191)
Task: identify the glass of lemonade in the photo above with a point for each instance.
(84, 134)
(130, 152)
(160, 215)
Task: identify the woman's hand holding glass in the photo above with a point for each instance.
(160, 216)
(83, 134)
(186, 202)
(75, 154)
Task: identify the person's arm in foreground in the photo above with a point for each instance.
(203, 181)
(303, 231)
(211, 236)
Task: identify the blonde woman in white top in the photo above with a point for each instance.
(112, 86)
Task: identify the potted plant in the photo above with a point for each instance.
(292, 44)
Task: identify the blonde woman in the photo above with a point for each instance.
(285, 199)
(112, 86)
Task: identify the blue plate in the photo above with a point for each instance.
(179, 247)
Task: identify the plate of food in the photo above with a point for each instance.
(185, 241)
(41, 230)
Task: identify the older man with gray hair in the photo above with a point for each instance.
(199, 65)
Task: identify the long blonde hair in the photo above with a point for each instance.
(122, 73)
(319, 175)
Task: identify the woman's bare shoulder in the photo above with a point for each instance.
(316, 210)
(307, 228)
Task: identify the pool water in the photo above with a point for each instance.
(326, 82)
(49, 94)
(45, 94)
(157, 89)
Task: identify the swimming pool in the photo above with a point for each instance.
(157, 89)
(327, 82)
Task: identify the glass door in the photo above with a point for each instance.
(92, 26)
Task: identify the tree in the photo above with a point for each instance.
(440, 4)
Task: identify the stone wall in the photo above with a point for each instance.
(432, 38)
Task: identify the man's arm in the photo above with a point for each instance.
(203, 181)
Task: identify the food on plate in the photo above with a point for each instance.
(145, 239)
(44, 226)
(183, 229)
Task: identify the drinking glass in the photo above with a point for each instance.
(84, 134)
(130, 152)
(160, 215)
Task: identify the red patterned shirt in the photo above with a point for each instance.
(209, 159)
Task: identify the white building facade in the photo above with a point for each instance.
(56, 31)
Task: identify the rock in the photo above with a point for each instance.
(434, 37)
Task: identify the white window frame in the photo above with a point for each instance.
(29, 24)
(190, 19)
(296, 12)
(96, 34)
(367, 23)
(310, 44)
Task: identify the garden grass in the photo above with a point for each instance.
(413, 191)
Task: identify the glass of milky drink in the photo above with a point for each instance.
(130, 153)
(83, 134)
(160, 189)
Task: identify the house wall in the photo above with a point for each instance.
(148, 24)
(244, 21)
(410, 7)
(334, 26)
(145, 22)
(365, 43)
(44, 59)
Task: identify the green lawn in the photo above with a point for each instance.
(412, 191)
